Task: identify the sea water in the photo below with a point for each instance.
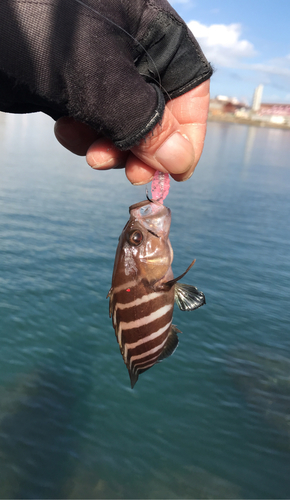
(213, 420)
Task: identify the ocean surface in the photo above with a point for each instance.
(213, 420)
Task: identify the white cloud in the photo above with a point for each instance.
(225, 47)
(279, 66)
(221, 43)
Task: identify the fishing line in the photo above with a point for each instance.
(161, 181)
(132, 38)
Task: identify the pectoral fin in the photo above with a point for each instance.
(170, 344)
(188, 297)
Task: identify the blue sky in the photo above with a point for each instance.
(247, 42)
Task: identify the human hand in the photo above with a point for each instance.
(165, 148)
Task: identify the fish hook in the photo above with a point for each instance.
(151, 201)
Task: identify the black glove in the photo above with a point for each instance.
(62, 58)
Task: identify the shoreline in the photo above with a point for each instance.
(229, 118)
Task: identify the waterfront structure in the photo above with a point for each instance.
(275, 109)
(257, 99)
(263, 114)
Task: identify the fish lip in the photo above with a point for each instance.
(153, 216)
(143, 203)
(138, 205)
(159, 209)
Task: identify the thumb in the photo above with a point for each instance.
(166, 149)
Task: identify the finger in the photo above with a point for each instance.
(165, 148)
(73, 135)
(137, 171)
(103, 155)
(196, 133)
(191, 110)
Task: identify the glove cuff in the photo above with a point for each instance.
(156, 117)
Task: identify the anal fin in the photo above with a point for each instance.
(170, 344)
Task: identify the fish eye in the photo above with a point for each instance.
(135, 238)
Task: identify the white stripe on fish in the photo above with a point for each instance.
(139, 342)
(130, 284)
(146, 364)
(146, 319)
(141, 300)
(147, 353)
(142, 321)
(137, 302)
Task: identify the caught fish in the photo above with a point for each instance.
(144, 289)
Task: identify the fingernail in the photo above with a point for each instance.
(182, 178)
(102, 166)
(143, 183)
(176, 154)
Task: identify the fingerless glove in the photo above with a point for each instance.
(112, 65)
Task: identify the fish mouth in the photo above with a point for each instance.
(143, 203)
(153, 216)
(149, 208)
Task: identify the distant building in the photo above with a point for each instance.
(216, 107)
(222, 98)
(257, 99)
(230, 109)
(275, 113)
(225, 98)
(224, 105)
(275, 109)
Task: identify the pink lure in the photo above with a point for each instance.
(160, 186)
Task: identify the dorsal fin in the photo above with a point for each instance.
(169, 284)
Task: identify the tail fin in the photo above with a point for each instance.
(133, 378)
